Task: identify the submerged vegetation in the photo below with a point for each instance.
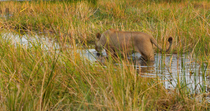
(60, 79)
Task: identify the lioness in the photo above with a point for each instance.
(124, 42)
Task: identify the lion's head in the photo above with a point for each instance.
(98, 45)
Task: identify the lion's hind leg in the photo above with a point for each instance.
(146, 51)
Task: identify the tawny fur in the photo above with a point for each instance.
(125, 42)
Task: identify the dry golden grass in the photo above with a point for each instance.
(33, 79)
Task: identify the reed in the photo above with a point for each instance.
(186, 21)
(32, 78)
(58, 79)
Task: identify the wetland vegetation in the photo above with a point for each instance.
(65, 74)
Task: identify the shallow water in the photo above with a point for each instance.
(174, 70)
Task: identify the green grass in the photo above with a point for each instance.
(36, 79)
(187, 22)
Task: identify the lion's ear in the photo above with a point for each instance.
(98, 35)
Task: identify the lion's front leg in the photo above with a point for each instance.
(111, 52)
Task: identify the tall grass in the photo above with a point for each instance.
(35, 79)
(187, 22)
(59, 79)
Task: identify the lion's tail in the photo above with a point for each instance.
(170, 39)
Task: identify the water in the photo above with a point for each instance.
(29, 41)
(172, 69)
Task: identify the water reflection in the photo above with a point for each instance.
(173, 70)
